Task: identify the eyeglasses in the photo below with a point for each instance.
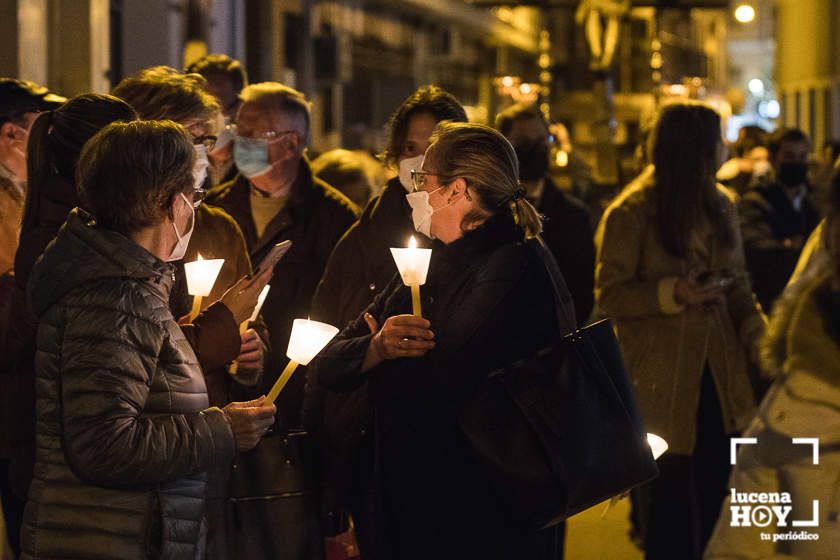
(418, 178)
(264, 135)
(208, 140)
(198, 197)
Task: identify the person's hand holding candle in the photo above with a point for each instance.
(401, 336)
(251, 353)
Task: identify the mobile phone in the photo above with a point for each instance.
(273, 256)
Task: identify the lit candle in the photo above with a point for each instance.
(658, 446)
(201, 275)
(413, 264)
(234, 367)
(307, 339)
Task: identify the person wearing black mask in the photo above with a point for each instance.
(567, 224)
(777, 218)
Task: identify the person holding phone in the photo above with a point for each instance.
(670, 273)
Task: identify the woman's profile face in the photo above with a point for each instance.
(447, 200)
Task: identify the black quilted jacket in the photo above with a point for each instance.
(124, 435)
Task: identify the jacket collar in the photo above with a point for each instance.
(240, 205)
(495, 231)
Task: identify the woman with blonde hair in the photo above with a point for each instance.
(487, 302)
(670, 273)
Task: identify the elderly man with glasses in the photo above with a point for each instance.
(275, 197)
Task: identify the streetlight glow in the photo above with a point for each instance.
(745, 13)
(756, 86)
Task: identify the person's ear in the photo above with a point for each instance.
(458, 188)
(8, 131)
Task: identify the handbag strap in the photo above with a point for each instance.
(563, 303)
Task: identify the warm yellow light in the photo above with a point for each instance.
(745, 13)
(507, 81)
(525, 89)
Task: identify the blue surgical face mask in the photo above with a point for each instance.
(251, 156)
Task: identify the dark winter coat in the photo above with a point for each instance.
(568, 232)
(360, 267)
(213, 335)
(124, 434)
(489, 301)
(774, 233)
(314, 218)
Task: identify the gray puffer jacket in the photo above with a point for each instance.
(124, 435)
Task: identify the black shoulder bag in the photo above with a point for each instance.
(560, 432)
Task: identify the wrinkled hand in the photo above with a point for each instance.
(249, 421)
(241, 298)
(402, 336)
(688, 291)
(251, 351)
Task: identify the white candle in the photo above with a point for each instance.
(260, 302)
(658, 446)
(201, 275)
(413, 264)
(307, 339)
(234, 367)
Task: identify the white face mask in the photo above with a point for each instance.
(183, 240)
(200, 166)
(406, 166)
(422, 210)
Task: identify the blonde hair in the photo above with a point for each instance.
(487, 162)
(161, 92)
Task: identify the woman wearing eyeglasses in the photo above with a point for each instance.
(125, 434)
(487, 302)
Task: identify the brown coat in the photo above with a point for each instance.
(11, 210)
(666, 347)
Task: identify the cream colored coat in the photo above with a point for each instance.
(666, 346)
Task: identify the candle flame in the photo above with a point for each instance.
(412, 243)
(200, 258)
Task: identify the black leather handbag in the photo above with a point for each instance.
(560, 432)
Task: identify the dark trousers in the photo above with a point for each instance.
(12, 508)
(685, 500)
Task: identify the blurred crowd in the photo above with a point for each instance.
(132, 427)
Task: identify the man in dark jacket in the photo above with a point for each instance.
(777, 218)
(567, 225)
(274, 198)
